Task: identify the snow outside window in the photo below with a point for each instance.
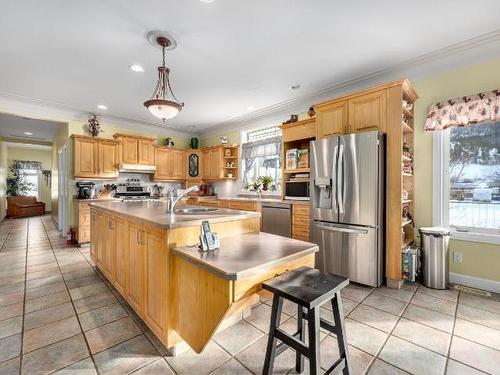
(474, 177)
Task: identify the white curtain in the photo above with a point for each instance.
(262, 148)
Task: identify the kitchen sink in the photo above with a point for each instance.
(196, 210)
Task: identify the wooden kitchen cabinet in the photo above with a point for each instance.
(368, 112)
(170, 164)
(146, 152)
(301, 219)
(156, 292)
(135, 149)
(136, 268)
(101, 233)
(108, 158)
(215, 156)
(109, 245)
(205, 163)
(121, 255)
(93, 236)
(82, 222)
(331, 119)
(95, 158)
(213, 162)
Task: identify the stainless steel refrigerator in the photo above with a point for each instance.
(347, 205)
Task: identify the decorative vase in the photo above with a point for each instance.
(194, 143)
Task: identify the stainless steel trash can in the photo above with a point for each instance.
(434, 246)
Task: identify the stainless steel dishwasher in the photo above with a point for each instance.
(277, 218)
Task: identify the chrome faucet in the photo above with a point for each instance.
(172, 202)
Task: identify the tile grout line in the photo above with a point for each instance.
(72, 304)
(452, 334)
(21, 354)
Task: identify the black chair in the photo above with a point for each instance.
(309, 289)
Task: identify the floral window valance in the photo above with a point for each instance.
(27, 164)
(464, 111)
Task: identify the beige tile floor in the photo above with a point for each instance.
(57, 315)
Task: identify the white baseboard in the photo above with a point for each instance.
(475, 282)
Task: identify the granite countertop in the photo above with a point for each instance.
(97, 200)
(155, 213)
(246, 255)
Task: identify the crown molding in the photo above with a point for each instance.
(31, 145)
(51, 111)
(475, 50)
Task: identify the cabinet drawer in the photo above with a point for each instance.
(83, 234)
(301, 237)
(223, 203)
(301, 210)
(300, 229)
(84, 219)
(244, 206)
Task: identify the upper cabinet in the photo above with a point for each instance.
(170, 164)
(331, 119)
(219, 162)
(95, 158)
(193, 161)
(353, 114)
(367, 112)
(136, 149)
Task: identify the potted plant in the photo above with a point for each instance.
(17, 184)
(266, 182)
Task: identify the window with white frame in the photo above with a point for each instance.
(468, 159)
(261, 156)
(33, 178)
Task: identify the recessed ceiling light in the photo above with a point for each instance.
(136, 68)
(250, 108)
(102, 106)
(295, 86)
(28, 133)
(206, 1)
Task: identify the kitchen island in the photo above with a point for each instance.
(181, 293)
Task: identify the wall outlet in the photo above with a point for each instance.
(458, 257)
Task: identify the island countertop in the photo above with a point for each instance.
(247, 254)
(155, 213)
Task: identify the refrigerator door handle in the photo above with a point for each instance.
(341, 229)
(340, 179)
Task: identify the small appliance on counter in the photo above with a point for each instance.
(86, 190)
(206, 190)
(132, 190)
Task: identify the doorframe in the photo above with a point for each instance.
(62, 193)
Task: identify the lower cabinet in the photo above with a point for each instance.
(301, 220)
(156, 292)
(133, 257)
(121, 255)
(136, 295)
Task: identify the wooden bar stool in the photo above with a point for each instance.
(309, 289)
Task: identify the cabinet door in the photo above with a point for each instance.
(156, 295)
(121, 255)
(205, 164)
(101, 234)
(109, 247)
(177, 164)
(331, 120)
(136, 268)
(85, 157)
(367, 112)
(146, 152)
(93, 236)
(129, 148)
(162, 163)
(108, 159)
(216, 163)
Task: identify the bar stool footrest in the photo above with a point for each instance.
(337, 366)
(323, 323)
(291, 341)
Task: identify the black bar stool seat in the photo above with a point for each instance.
(309, 289)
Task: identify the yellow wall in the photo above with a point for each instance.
(479, 259)
(3, 179)
(43, 156)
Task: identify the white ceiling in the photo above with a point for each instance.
(231, 54)
(15, 127)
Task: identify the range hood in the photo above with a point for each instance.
(137, 168)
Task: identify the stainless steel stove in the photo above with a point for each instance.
(132, 190)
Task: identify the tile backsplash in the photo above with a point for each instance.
(144, 180)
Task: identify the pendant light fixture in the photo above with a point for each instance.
(160, 105)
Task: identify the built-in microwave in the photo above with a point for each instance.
(297, 190)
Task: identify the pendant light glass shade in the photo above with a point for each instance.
(159, 105)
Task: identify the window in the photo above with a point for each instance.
(261, 156)
(468, 158)
(33, 178)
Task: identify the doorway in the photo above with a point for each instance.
(62, 188)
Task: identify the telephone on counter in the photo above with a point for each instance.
(208, 240)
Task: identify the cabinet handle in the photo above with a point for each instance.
(143, 242)
(137, 237)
